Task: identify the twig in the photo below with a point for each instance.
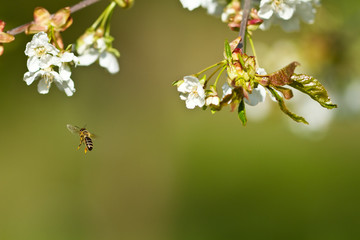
(245, 16)
(75, 8)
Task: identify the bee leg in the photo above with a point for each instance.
(81, 141)
(85, 149)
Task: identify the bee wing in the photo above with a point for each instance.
(93, 136)
(73, 129)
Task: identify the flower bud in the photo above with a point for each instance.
(125, 3)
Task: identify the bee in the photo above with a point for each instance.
(85, 136)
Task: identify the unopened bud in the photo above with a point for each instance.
(125, 3)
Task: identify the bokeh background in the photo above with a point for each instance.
(160, 171)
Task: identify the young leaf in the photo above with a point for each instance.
(313, 88)
(283, 76)
(228, 52)
(242, 112)
(287, 93)
(284, 108)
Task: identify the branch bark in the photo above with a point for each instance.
(245, 17)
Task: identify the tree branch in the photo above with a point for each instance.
(75, 8)
(245, 17)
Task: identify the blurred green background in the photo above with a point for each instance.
(160, 171)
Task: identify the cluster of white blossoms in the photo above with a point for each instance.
(48, 64)
(287, 13)
(214, 7)
(193, 93)
(92, 48)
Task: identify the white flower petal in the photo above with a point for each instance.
(184, 96)
(188, 85)
(190, 104)
(212, 100)
(109, 61)
(89, 39)
(227, 90)
(67, 86)
(67, 57)
(261, 71)
(191, 4)
(33, 64)
(266, 10)
(44, 86)
(257, 96)
(285, 11)
(100, 44)
(65, 71)
(214, 7)
(29, 77)
(89, 57)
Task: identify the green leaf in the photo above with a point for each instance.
(283, 76)
(242, 112)
(284, 108)
(177, 83)
(228, 52)
(313, 88)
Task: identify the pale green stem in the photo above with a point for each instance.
(241, 62)
(108, 11)
(53, 38)
(103, 17)
(216, 64)
(252, 48)
(208, 79)
(108, 24)
(98, 20)
(218, 77)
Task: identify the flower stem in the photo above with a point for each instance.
(216, 64)
(208, 79)
(98, 20)
(246, 13)
(106, 21)
(218, 77)
(252, 47)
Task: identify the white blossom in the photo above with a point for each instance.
(48, 76)
(287, 13)
(214, 7)
(92, 49)
(41, 53)
(192, 91)
(43, 59)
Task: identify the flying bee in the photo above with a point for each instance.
(85, 136)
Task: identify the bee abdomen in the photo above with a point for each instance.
(89, 143)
